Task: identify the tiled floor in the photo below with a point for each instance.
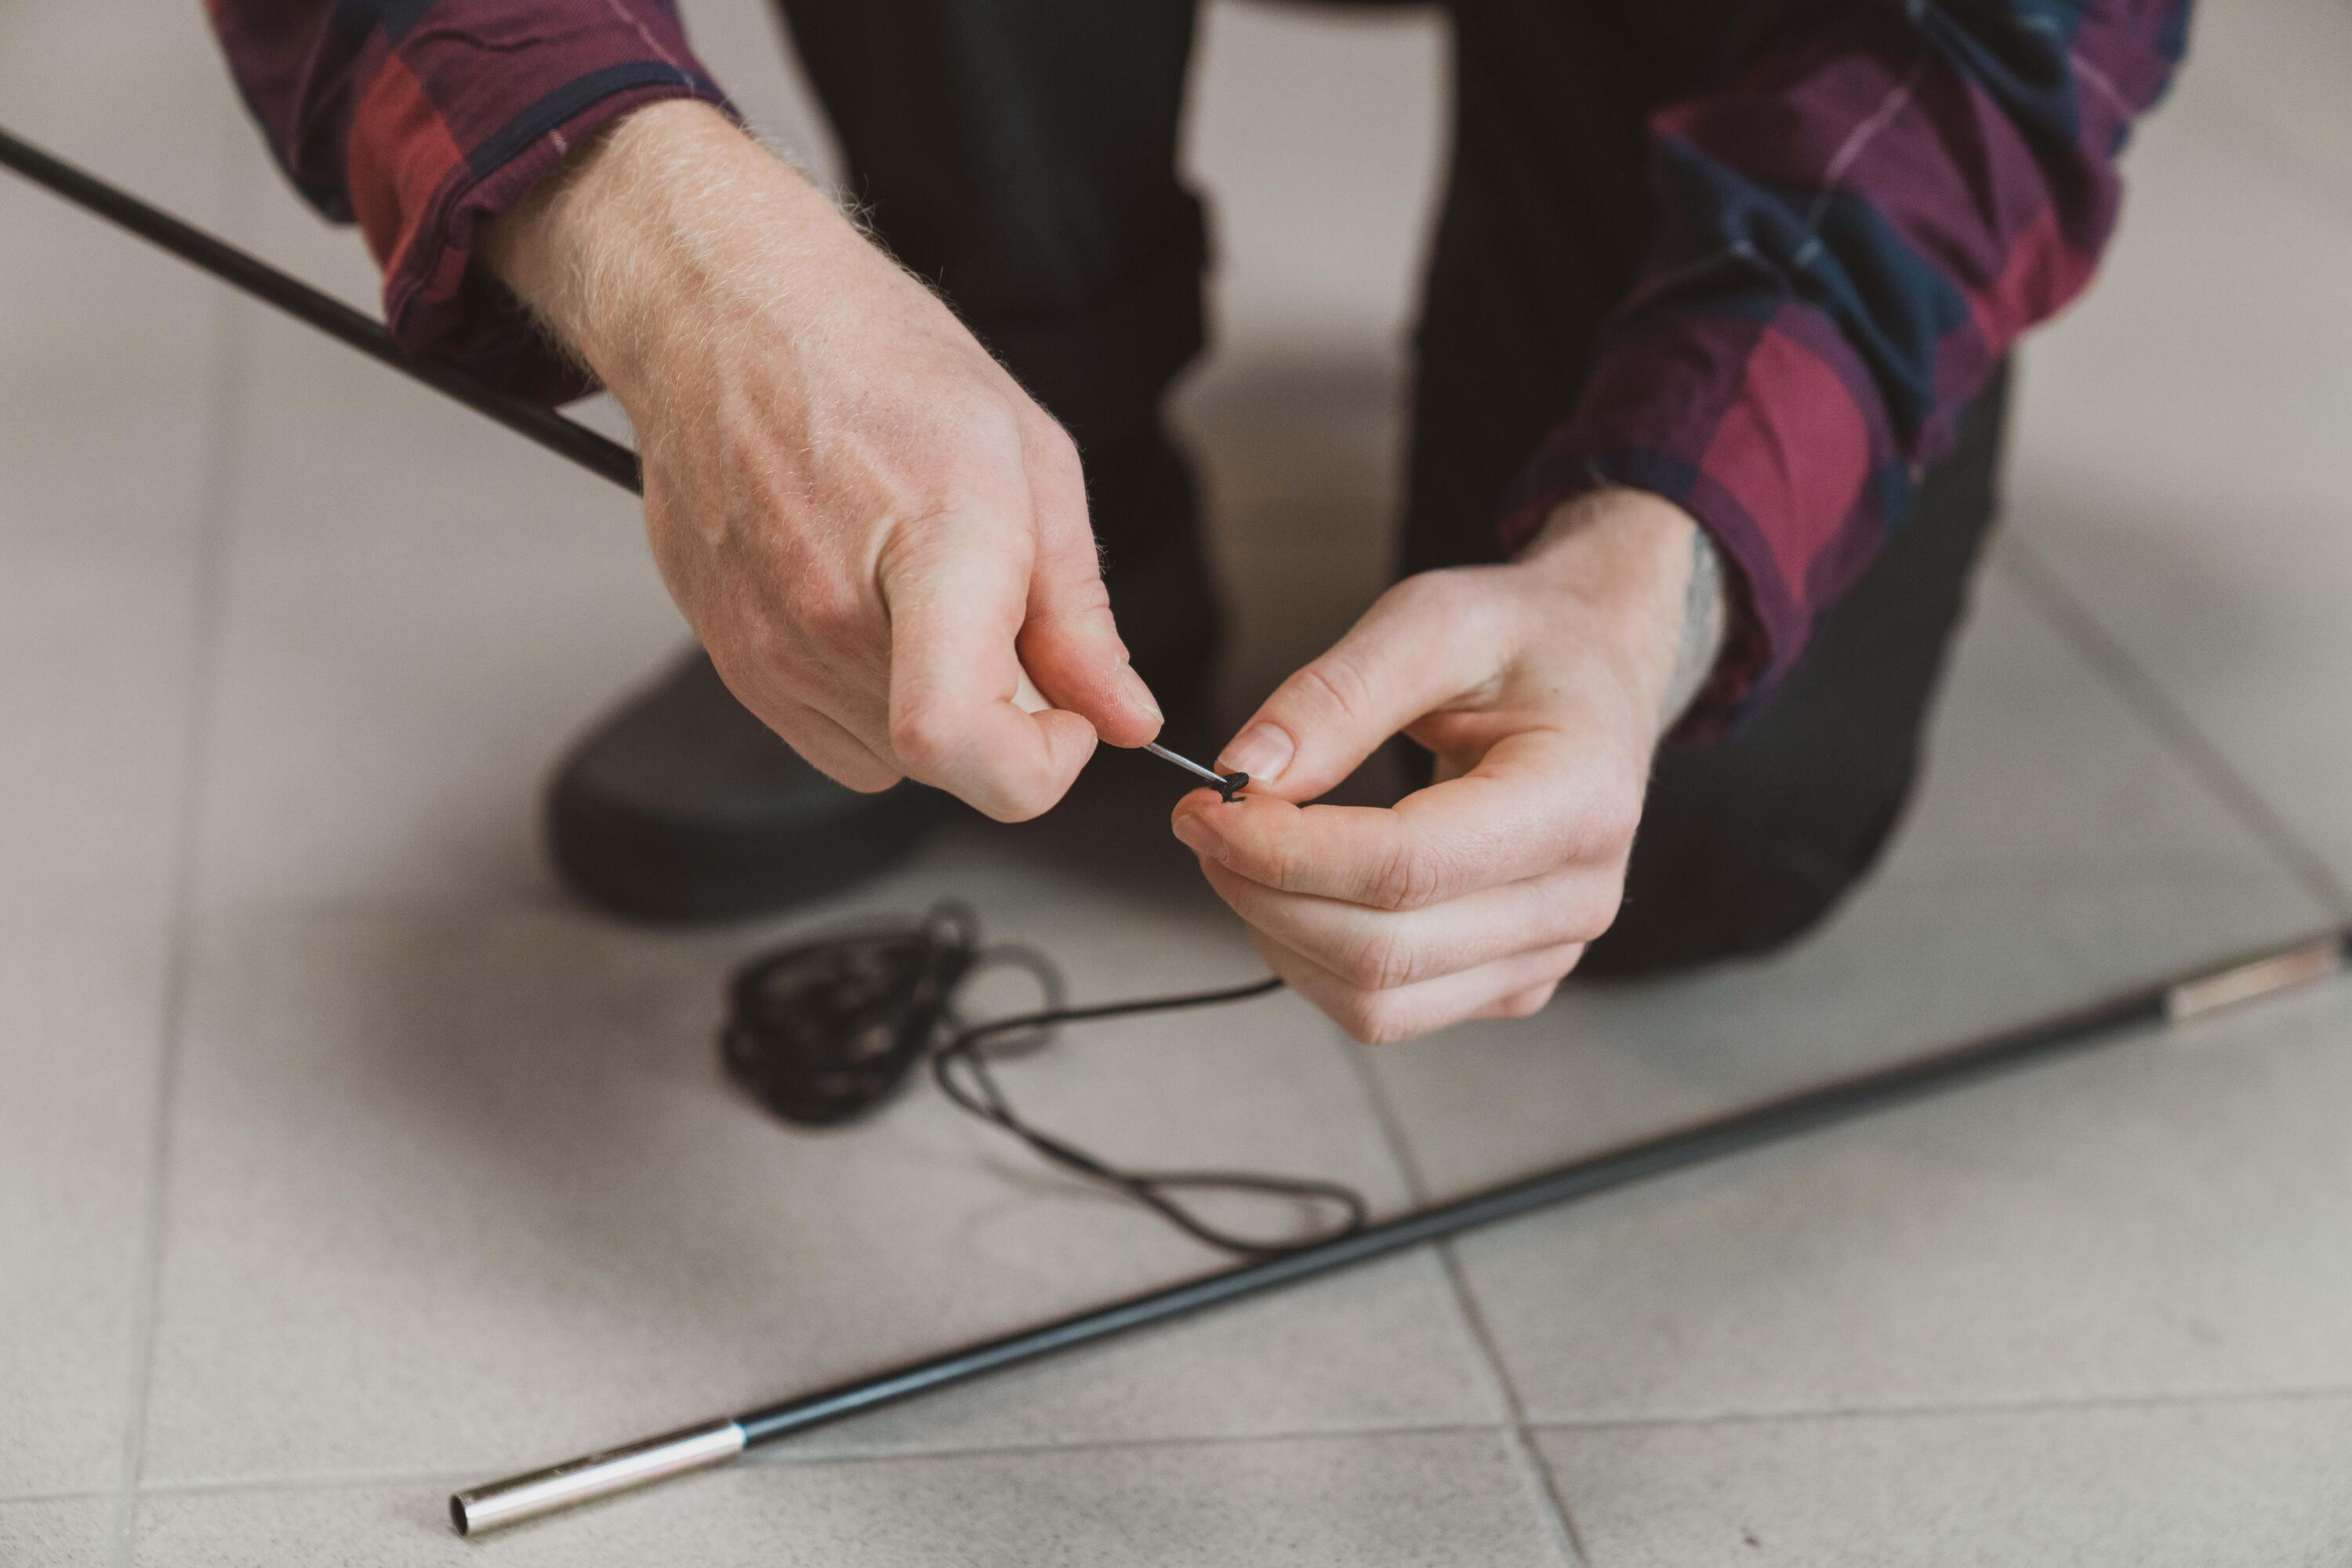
(341, 1161)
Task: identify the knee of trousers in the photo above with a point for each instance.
(1744, 885)
(1102, 365)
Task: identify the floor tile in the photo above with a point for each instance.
(95, 713)
(2022, 884)
(1299, 447)
(1318, 200)
(420, 613)
(446, 1163)
(112, 363)
(135, 91)
(2190, 486)
(2264, 77)
(79, 1034)
(101, 538)
(2224, 1485)
(2038, 771)
(55, 1533)
(2168, 1216)
(388, 708)
(1903, 970)
(1395, 1502)
(111, 371)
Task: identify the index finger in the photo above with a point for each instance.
(1527, 807)
(956, 720)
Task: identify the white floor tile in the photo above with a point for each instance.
(1906, 969)
(61, 1532)
(78, 1036)
(135, 91)
(2171, 1217)
(2057, 852)
(421, 611)
(2183, 468)
(2266, 76)
(1318, 199)
(1400, 1501)
(2252, 1485)
(2039, 772)
(101, 518)
(483, 1174)
(459, 1159)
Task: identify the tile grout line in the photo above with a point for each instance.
(2190, 1399)
(224, 449)
(2028, 572)
(786, 1459)
(1534, 1472)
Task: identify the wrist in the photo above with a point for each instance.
(642, 227)
(1644, 575)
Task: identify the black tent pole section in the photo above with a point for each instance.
(501, 1503)
(497, 1504)
(562, 436)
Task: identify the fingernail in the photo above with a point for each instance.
(1262, 751)
(1142, 694)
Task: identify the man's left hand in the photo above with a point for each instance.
(1542, 686)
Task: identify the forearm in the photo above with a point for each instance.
(424, 122)
(1857, 221)
(672, 203)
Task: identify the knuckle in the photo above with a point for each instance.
(1447, 595)
(1409, 878)
(1059, 453)
(1600, 914)
(1334, 687)
(1617, 814)
(922, 736)
(826, 612)
(1276, 863)
(1084, 599)
(1586, 912)
(1380, 960)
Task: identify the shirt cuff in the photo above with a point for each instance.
(432, 202)
(1761, 423)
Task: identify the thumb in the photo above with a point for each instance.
(1414, 651)
(1069, 642)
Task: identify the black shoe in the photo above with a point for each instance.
(682, 807)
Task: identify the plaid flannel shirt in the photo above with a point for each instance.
(1857, 221)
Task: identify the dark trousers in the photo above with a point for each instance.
(1022, 155)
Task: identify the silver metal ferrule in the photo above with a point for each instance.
(1187, 763)
(497, 1504)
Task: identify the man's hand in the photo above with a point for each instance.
(873, 530)
(1542, 686)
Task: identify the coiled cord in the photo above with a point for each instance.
(824, 1031)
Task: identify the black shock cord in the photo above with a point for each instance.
(824, 1031)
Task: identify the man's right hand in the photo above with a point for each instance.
(873, 530)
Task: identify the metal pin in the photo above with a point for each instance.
(1227, 784)
(585, 1480)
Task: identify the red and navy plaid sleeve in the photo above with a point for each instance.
(1855, 226)
(423, 119)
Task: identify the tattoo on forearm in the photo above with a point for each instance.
(1705, 616)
